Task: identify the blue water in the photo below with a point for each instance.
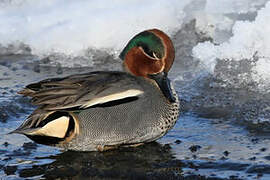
(224, 147)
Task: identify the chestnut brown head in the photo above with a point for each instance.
(150, 54)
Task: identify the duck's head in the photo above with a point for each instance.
(150, 54)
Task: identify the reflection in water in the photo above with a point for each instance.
(151, 160)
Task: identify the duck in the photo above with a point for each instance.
(104, 110)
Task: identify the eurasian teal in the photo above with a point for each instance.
(101, 110)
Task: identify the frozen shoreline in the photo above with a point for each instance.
(221, 77)
(235, 31)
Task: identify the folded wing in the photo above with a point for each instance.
(53, 122)
(83, 90)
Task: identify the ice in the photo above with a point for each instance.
(61, 27)
(237, 30)
(261, 73)
(249, 40)
(232, 6)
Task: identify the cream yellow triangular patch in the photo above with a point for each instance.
(56, 128)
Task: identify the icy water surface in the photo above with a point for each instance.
(221, 73)
(218, 135)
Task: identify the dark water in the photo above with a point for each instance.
(222, 133)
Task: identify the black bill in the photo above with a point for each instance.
(164, 84)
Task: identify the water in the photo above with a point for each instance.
(221, 74)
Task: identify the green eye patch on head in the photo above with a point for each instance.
(150, 43)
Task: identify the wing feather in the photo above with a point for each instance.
(82, 90)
